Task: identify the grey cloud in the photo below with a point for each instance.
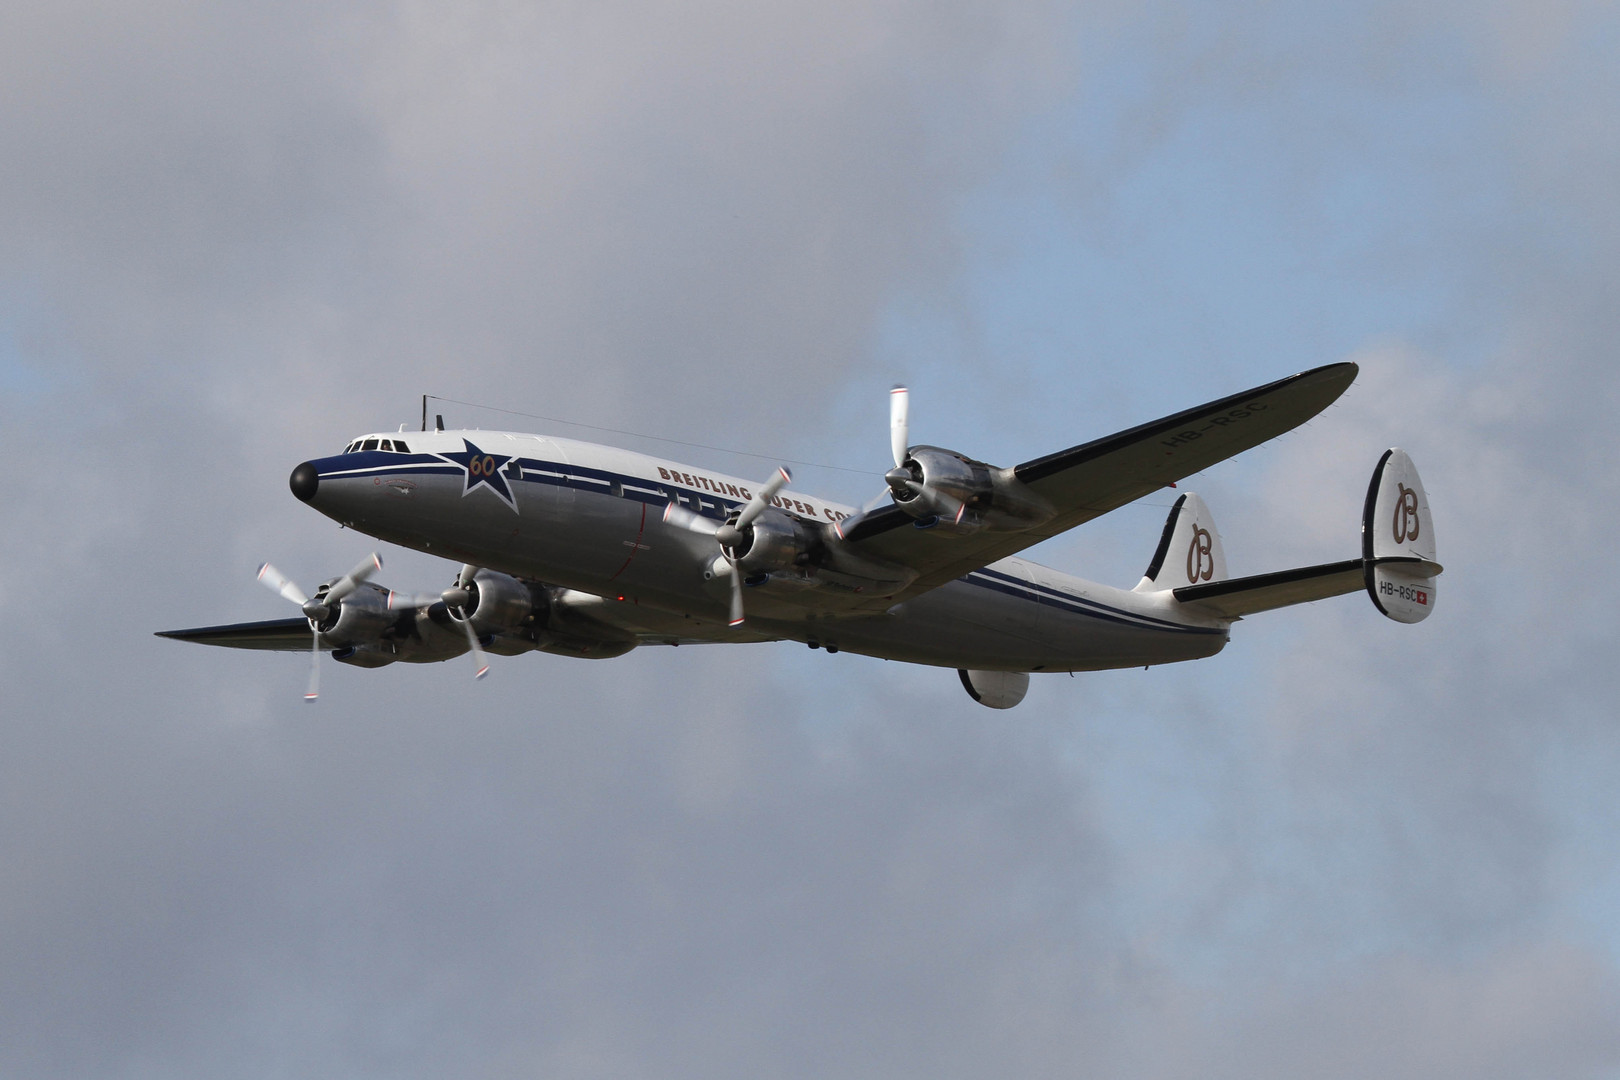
(1342, 847)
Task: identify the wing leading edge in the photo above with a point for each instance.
(1089, 480)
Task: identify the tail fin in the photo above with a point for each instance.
(1189, 550)
(1397, 541)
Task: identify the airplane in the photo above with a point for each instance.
(588, 551)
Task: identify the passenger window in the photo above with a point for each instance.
(399, 447)
(369, 444)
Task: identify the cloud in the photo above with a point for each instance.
(1342, 847)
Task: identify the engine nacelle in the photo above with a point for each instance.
(988, 497)
(775, 541)
(359, 619)
(498, 602)
(946, 473)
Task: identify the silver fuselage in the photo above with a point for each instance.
(590, 518)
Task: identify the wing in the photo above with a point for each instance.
(281, 635)
(1089, 480)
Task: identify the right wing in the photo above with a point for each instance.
(1088, 480)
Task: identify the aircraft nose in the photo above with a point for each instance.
(304, 480)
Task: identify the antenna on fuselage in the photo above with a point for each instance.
(424, 412)
(438, 421)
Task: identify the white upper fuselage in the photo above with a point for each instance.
(591, 518)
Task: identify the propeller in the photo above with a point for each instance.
(903, 482)
(733, 533)
(317, 611)
(899, 478)
(899, 424)
(456, 598)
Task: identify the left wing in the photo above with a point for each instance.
(281, 635)
(1088, 480)
(293, 635)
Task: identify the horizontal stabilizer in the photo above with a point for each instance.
(1236, 597)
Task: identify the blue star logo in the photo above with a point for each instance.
(483, 470)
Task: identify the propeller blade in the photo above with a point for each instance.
(351, 581)
(679, 516)
(479, 659)
(314, 689)
(899, 424)
(762, 498)
(464, 577)
(276, 581)
(886, 495)
(877, 500)
(736, 596)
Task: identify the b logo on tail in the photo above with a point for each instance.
(1406, 515)
(1200, 558)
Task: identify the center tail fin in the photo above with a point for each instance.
(1189, 551)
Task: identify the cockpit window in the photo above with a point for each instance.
(369, 444)
(387, 444)
(399, 446)
(351, 448)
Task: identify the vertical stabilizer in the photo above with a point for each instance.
(1397, 541)
(1189, 551)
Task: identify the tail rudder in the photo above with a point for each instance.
(1189, 551)
(1397, 540)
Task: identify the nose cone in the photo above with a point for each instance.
(304, 480)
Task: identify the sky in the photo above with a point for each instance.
(236, 237)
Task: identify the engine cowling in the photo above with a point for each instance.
(964, 493)
(511, 616)
(498, 602)
(936, 472)
(360, 618)
(773, 542)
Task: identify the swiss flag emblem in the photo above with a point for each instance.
(1422, 597)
